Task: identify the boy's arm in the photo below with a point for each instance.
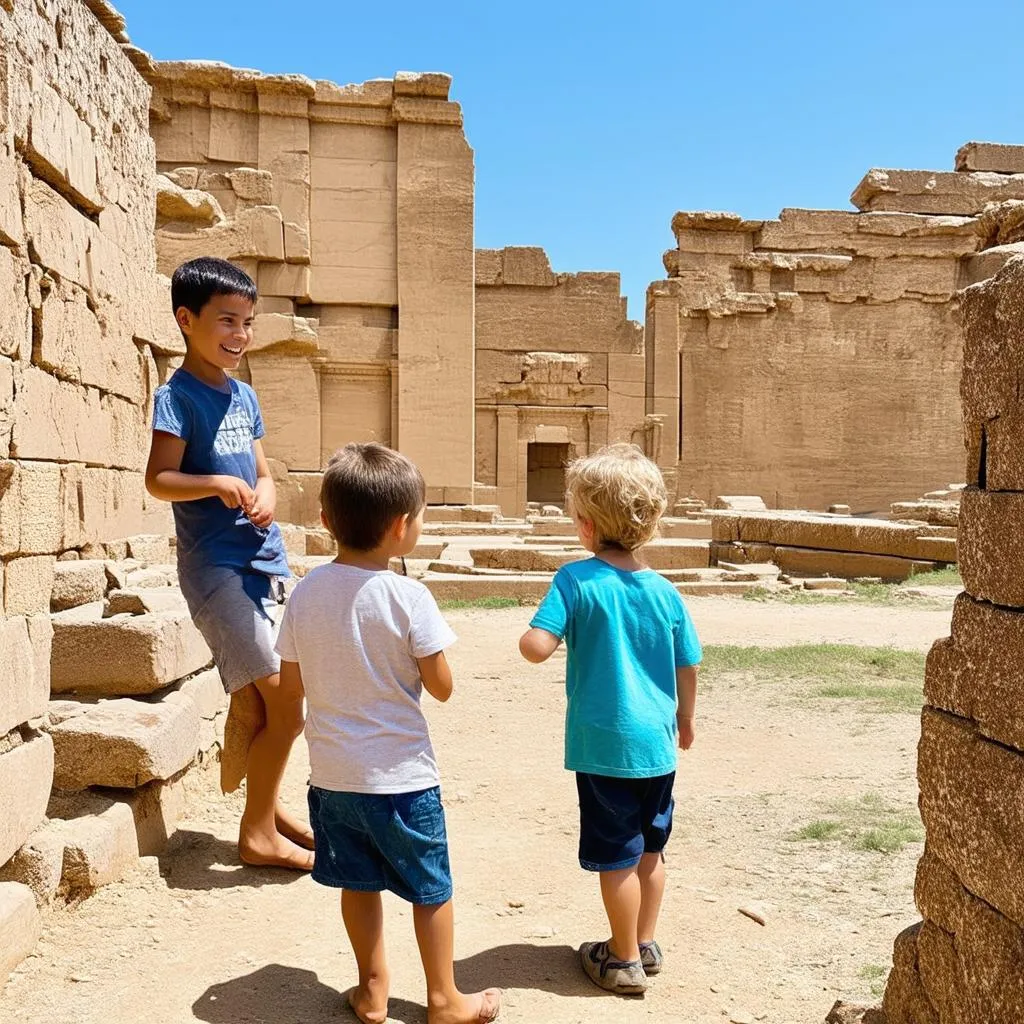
(265, 492)
(165, 481)
(537, 645)
(686, 688)
(436, 674)
(290, 685)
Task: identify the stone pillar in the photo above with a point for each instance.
(507, 475)
(963, 963)
(435, 287)
(663, 384)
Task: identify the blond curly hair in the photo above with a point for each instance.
(621, 491)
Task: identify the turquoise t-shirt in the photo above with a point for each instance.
(625, 634)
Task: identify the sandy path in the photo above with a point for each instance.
(197, 937)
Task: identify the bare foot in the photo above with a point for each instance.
(476, 1008)
(293, 828)
(368, 1006)
(245, 719)
(259, 850)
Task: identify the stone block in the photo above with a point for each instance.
(285, 279)
(63, 422)
(847, 565)
(935, 192)
(143, 601)
(975, 672)
(30, 508)
(28, 583)
(297, 248)
(61, 148)
(26, 775)
(38, 863)
(972, 807)
(77, 583)
(74, 345)
(149, 548)
(15, 327)
(969, 955)
(100, 846)
(124, 743)
(206, 691)
(24, 669)
(990, 156)
(905, 999)
(284, 333)
(157, 808)
(527, 265)
(20, 926)
(255, 186)
(130, 654)
(741, 503)
(991, 546)
(58, 234)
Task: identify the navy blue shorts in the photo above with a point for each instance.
(368, 842)
(622, 819)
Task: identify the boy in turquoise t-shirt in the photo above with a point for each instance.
(631, 682)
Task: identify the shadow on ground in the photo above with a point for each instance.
(198, 860)
(276, 994)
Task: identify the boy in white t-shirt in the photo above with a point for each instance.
(360, 643)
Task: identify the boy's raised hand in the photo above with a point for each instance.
(235, 493)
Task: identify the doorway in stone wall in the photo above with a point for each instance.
(545, 472)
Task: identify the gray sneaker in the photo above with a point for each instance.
(651, 957)
(623, 977)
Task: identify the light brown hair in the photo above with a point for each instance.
(621, 491)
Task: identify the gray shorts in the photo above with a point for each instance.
(238, 612)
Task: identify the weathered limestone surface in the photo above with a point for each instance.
(963, 963)
(124, 743)
(20, 926)
(805, 318)
(557, 363)
(124, 655)
(24, 669)
(26, 774)
(77, 583)
(990, 156)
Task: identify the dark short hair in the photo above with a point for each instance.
(365, 488)
(196, 282)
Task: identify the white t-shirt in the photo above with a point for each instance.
(356, 635)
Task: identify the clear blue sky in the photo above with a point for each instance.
(594, 122)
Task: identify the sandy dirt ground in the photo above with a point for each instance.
(196, 937)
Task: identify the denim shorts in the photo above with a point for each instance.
(235, 610)
(622, 819)
(368, 842)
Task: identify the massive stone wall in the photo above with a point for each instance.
(964, 962)
(85, 337)
(558, 364)
(352, 207)
(814, 359)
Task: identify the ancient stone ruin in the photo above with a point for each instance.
(352, 207)
(814, 359)
(964, 962)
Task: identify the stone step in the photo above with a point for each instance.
(124, 743)
(661, 554)
(530, 589)
(77, 583)
(478, 529)
(20, 926)
(123, 654)
(26, 776)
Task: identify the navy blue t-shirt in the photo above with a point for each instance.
(218, 428)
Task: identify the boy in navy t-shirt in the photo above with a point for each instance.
(631, 683)
(206, 458)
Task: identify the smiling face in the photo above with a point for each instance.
(218, 335)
